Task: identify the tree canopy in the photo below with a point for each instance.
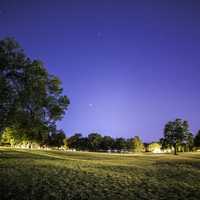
(97, 142)
(176, 133)
(137, 145)
(31, 99)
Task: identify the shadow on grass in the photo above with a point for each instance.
(51, 175)
(43, 181)
(179, 163)
(25, 155)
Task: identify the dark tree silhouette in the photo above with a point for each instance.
(94, 140)
(107, 143)
(31, 99)
(197, 139)
(175, 133)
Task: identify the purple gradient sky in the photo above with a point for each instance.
(128, 67)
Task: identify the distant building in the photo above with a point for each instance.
(155, 147)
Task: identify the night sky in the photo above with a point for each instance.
(128, 67)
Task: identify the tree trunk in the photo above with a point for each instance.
(175, 150)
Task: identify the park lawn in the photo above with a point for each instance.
(37, 174)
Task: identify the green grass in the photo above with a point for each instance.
(34, 174)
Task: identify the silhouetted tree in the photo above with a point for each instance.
(129, 144)
(107, 143)
(94, 140)
(74, 141)
(31, 99)
(175, 133)
(83, 144)
(57, 139)
(189, 142)
(197, 139)
(120, 144)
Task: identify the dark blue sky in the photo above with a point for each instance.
(128, 67)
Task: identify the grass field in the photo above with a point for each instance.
(34, 174)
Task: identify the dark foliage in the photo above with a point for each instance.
(31, 99)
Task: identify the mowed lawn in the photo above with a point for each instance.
(34, 174)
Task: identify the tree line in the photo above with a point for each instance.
(32, 101)
(97, 142)
(176, 136)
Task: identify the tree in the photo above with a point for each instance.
(9, 136)
(189, 142)
(94, 140)
(107, 143)
(129, 144)
(57, 139)
(197, 139)
(120, 144)
(65, 144)
(74, 141)
(137, 145)
(175, 133)
(164, 144)
(12, 137)
(83, 144)
(31, 99)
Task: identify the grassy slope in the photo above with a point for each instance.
(26, 174)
